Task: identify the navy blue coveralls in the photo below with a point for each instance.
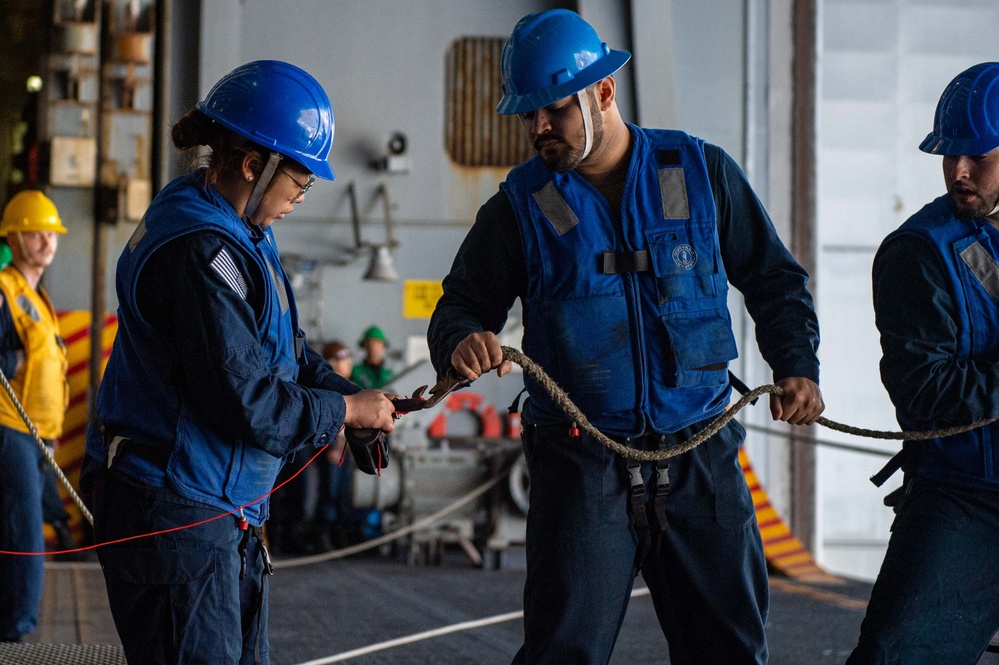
(21, 510)
(706, 570)
(204, 394)
(936, 303)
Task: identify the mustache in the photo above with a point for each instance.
(547, 137)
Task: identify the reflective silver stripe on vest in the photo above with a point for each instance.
(673, 188)
(984, 267)
(279, 285)
(137, 234)
(556, 209)
(25, 303)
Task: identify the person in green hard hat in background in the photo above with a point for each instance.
(371, 372)
(33, 358)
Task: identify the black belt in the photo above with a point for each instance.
(642, 442)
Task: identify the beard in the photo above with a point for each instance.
(979, 207)
(563, 156)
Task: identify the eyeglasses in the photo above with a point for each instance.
(302, 189)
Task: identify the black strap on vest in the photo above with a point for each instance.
(300, 347)
(889, 469)
(612, 263)
(515, 405)
(894, 498)
(739, 386)
(158, 457)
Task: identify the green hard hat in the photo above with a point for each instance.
(5, 255)
(374, 332)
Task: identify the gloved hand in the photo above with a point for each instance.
(369, 448)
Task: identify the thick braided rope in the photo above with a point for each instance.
(563, 402)
(46, 451)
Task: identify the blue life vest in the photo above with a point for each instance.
(969, 253)
(645, 348)
(138, 402)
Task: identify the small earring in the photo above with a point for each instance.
(249, 177)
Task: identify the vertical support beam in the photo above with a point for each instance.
(654, 64)
(614, 22)
(803, 215)
(162, 83)
(100, 215)
(177, 81)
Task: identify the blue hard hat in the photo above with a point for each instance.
(550, 56)
(967, 117)
(279, 106)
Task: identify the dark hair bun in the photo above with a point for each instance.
(193, 130)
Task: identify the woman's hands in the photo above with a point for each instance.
(369, 409)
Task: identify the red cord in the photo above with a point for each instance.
(176, 528)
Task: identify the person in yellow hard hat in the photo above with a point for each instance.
(33, 358)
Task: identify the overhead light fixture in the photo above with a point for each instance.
(380, 268)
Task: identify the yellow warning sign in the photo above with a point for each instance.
(419, 296)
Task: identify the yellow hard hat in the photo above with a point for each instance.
(28, 211)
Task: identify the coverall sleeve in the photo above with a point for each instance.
(914, 312)
(221, 371)
(487, 276)
(773, 284)
(317, 373)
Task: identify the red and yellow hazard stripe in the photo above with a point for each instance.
(74, 326)
(785, 553)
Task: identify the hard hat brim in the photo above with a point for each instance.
(321, 169)
(532, 101)
(940, 145)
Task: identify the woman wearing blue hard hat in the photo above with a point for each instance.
(210, 383)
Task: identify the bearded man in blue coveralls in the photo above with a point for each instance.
(620, 242)
(936, 304)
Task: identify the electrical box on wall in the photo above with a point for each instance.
(72, 161)
(138, 195)
(126, 100)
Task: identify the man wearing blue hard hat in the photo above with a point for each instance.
(936, 305)
(620, 242)
(210, 383)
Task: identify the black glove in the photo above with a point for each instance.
(369, 449)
